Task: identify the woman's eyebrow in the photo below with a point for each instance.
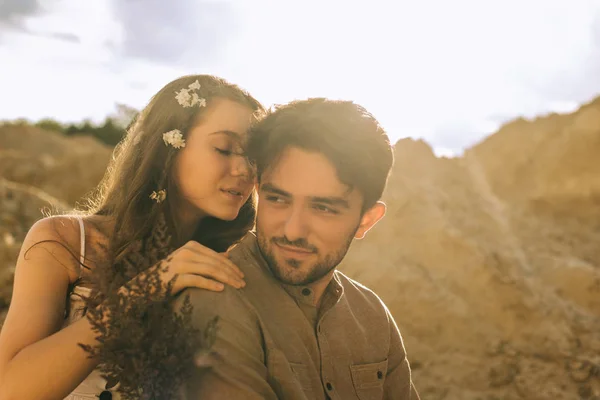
(232, 134)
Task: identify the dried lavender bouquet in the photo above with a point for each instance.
(144, 343)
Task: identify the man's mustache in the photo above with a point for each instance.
(298, 243)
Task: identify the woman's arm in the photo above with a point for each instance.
(38, 359)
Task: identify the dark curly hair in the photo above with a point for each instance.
(343, 131)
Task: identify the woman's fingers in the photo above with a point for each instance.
(237, 269)
(214, 270)
(203, 250)
(197, 281)
(198, 266)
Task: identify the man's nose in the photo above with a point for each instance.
(295, 225)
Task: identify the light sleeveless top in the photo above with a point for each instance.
(94, 385)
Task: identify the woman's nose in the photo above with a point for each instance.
(243, 167)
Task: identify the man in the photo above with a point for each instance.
(300, 329)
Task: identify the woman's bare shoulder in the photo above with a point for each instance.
(61, 228)
(59, 237)
(52, 239)
(66, 228)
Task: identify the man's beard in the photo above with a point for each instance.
(284, 273)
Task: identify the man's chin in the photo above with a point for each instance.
(289, 276)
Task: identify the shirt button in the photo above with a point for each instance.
(329, 386)
(106, 395)
(379, 375)
(306, 291)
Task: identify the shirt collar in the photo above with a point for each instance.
(302, 294)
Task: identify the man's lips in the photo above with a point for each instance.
(295, 250)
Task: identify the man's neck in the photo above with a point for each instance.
(319, 287)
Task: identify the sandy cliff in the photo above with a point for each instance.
(490, 262)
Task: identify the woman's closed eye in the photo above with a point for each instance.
(225, 152)
(229, 152)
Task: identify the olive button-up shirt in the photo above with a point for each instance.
(273, 343)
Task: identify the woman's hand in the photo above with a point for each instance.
(194, 265)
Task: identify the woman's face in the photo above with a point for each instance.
(211, 171)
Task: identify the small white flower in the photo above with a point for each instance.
(198, 100)
(159, 196)
(174, 138)
(188, 97)
(183, 97)
(195, 85)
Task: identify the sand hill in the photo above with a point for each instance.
(489, 262)
(64, 167)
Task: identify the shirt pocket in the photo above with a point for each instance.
(288, 379)
(368, 379)
(302, 373)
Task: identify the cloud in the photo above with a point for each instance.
(441, 75)
(587, 84)
(67, 37)
(457, 136)
(174, 32)
(571, 76)
(12, 12)
(61, 36)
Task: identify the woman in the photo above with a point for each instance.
(180, 167)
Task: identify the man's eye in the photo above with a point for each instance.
(325, 209)
(275, 199)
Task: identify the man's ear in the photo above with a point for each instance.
(370, 218)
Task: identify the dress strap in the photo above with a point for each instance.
(82, 244)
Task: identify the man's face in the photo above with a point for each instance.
(307, 218)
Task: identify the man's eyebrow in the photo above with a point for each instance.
(332, 201)
(269, 187)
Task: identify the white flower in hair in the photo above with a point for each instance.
(159, 196)
(197, 100)
(174, 138)
(183, 98)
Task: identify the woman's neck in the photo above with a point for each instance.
(186, 222)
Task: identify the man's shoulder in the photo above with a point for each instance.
(351, 284)
(356, 291)
(228, 303)
(246, 249)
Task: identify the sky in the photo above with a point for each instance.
(448, 72)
